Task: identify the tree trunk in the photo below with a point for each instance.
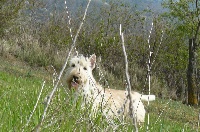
(192, 88)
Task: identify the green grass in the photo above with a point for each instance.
(20, 86)
(17, 100)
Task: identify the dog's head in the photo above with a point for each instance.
(79, 72)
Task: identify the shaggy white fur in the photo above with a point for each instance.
(111, 101)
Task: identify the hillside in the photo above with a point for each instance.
(36, 38)
(49, 7)
(21, 85)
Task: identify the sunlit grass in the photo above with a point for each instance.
(21, 85)
(18, 95)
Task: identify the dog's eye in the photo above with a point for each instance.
(73, 65)
(84, 68)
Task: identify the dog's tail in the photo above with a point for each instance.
(148, 97)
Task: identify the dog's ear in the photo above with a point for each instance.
(74, 54)
(92, 61)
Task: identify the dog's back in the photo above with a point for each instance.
(118, 102)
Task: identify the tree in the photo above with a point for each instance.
(185, 16)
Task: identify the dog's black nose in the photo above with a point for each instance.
(75, 78)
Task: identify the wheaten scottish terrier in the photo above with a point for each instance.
(111, 101)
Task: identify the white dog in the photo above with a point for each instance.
(111, 101)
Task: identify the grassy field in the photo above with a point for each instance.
(21, 84)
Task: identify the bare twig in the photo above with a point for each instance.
(128, 81)
(149, 60)
(37, 128)
(34, 106)
(155, 56)
(165, 107)
(55, 76)
(69, 20)
(149, 71)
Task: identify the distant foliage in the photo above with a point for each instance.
(39, 32)
(9, 12)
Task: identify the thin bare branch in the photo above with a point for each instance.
(69, 20)
(149, 71)
(34, 106)
(128, 81)
(37, 128)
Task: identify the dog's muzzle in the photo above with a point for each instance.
(75, 81)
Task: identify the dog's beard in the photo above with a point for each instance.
(74, 82)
